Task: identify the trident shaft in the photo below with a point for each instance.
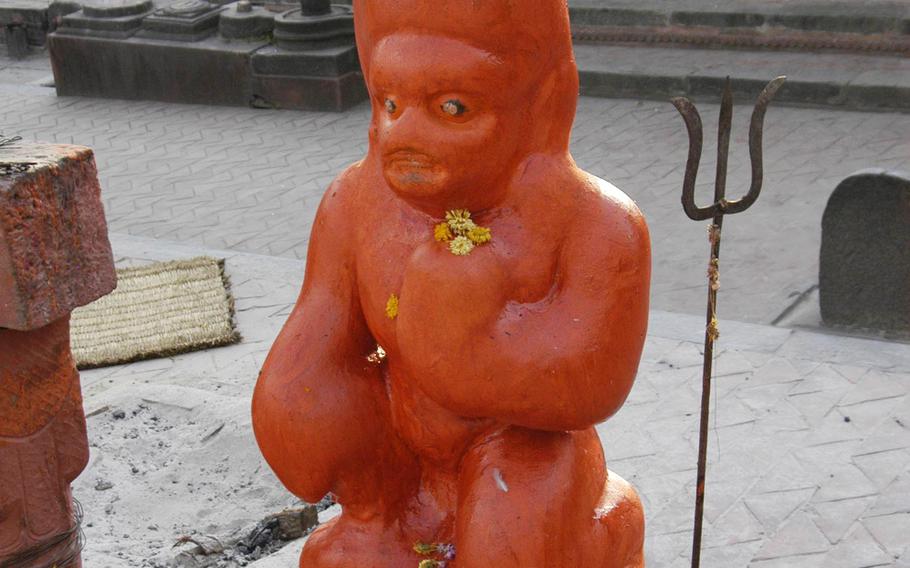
(721, 206)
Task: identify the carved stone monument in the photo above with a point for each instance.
(54, 257)
(508, 291)
(273, 54)
(864, 270)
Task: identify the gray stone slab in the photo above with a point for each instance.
(864, 274)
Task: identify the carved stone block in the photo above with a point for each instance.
(54, 257)
(54, 250)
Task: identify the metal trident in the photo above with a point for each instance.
(721, 206)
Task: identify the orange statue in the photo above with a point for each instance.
(507, 288)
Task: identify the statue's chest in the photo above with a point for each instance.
(384, 253)
(381, 260)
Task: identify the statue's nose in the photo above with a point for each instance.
(407, 130)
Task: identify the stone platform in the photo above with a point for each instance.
(808, 456)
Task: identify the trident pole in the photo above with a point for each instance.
(720, 207)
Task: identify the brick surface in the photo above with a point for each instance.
(54, 251)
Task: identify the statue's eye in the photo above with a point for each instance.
(453, 107)
(390, 106)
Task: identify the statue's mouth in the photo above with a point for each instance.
(411, 168)
(409, 160)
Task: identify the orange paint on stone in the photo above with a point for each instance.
(43, 445)
(475, 432)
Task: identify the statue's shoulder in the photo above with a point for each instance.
(346, 192)
(611, 210)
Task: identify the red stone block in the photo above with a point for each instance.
(54, 250)
(54, 257)
(43, 445)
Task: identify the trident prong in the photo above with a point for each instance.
(694, 126)
(721, 206)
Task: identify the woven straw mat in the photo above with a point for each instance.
(157, 310)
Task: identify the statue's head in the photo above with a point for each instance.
(463, 91)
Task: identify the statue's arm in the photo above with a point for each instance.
(565, 362)
(319, 355)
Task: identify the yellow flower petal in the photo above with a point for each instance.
(442, 233)
(480, 235)
(391, 307)
(424, 549)
(461, 246)
(459, 220)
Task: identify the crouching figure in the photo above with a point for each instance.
(507, 288)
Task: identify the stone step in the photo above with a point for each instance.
(849, 81)
(871, 25)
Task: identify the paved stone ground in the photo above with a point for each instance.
(809, 455)
(250, 180)
(792, 482)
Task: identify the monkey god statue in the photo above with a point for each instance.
(507, 288)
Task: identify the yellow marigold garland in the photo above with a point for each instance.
(461, 246)
(461, 232)
(442, 233)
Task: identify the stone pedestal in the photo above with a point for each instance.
(186, 20)
(54, 257)
(108, 18)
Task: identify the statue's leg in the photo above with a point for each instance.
(531, 499)
(333, 433)
(327, 432)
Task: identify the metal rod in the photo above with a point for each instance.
(724, 128)
(720, 207)
(707, 371)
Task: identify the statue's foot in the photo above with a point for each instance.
(346, 543)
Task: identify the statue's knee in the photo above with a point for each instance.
(621, 518)
(514, 482)
(312, 432)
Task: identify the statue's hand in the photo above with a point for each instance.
(445, 298)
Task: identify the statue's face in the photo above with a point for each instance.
(445, 119)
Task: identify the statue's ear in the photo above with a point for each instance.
(553, 110)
